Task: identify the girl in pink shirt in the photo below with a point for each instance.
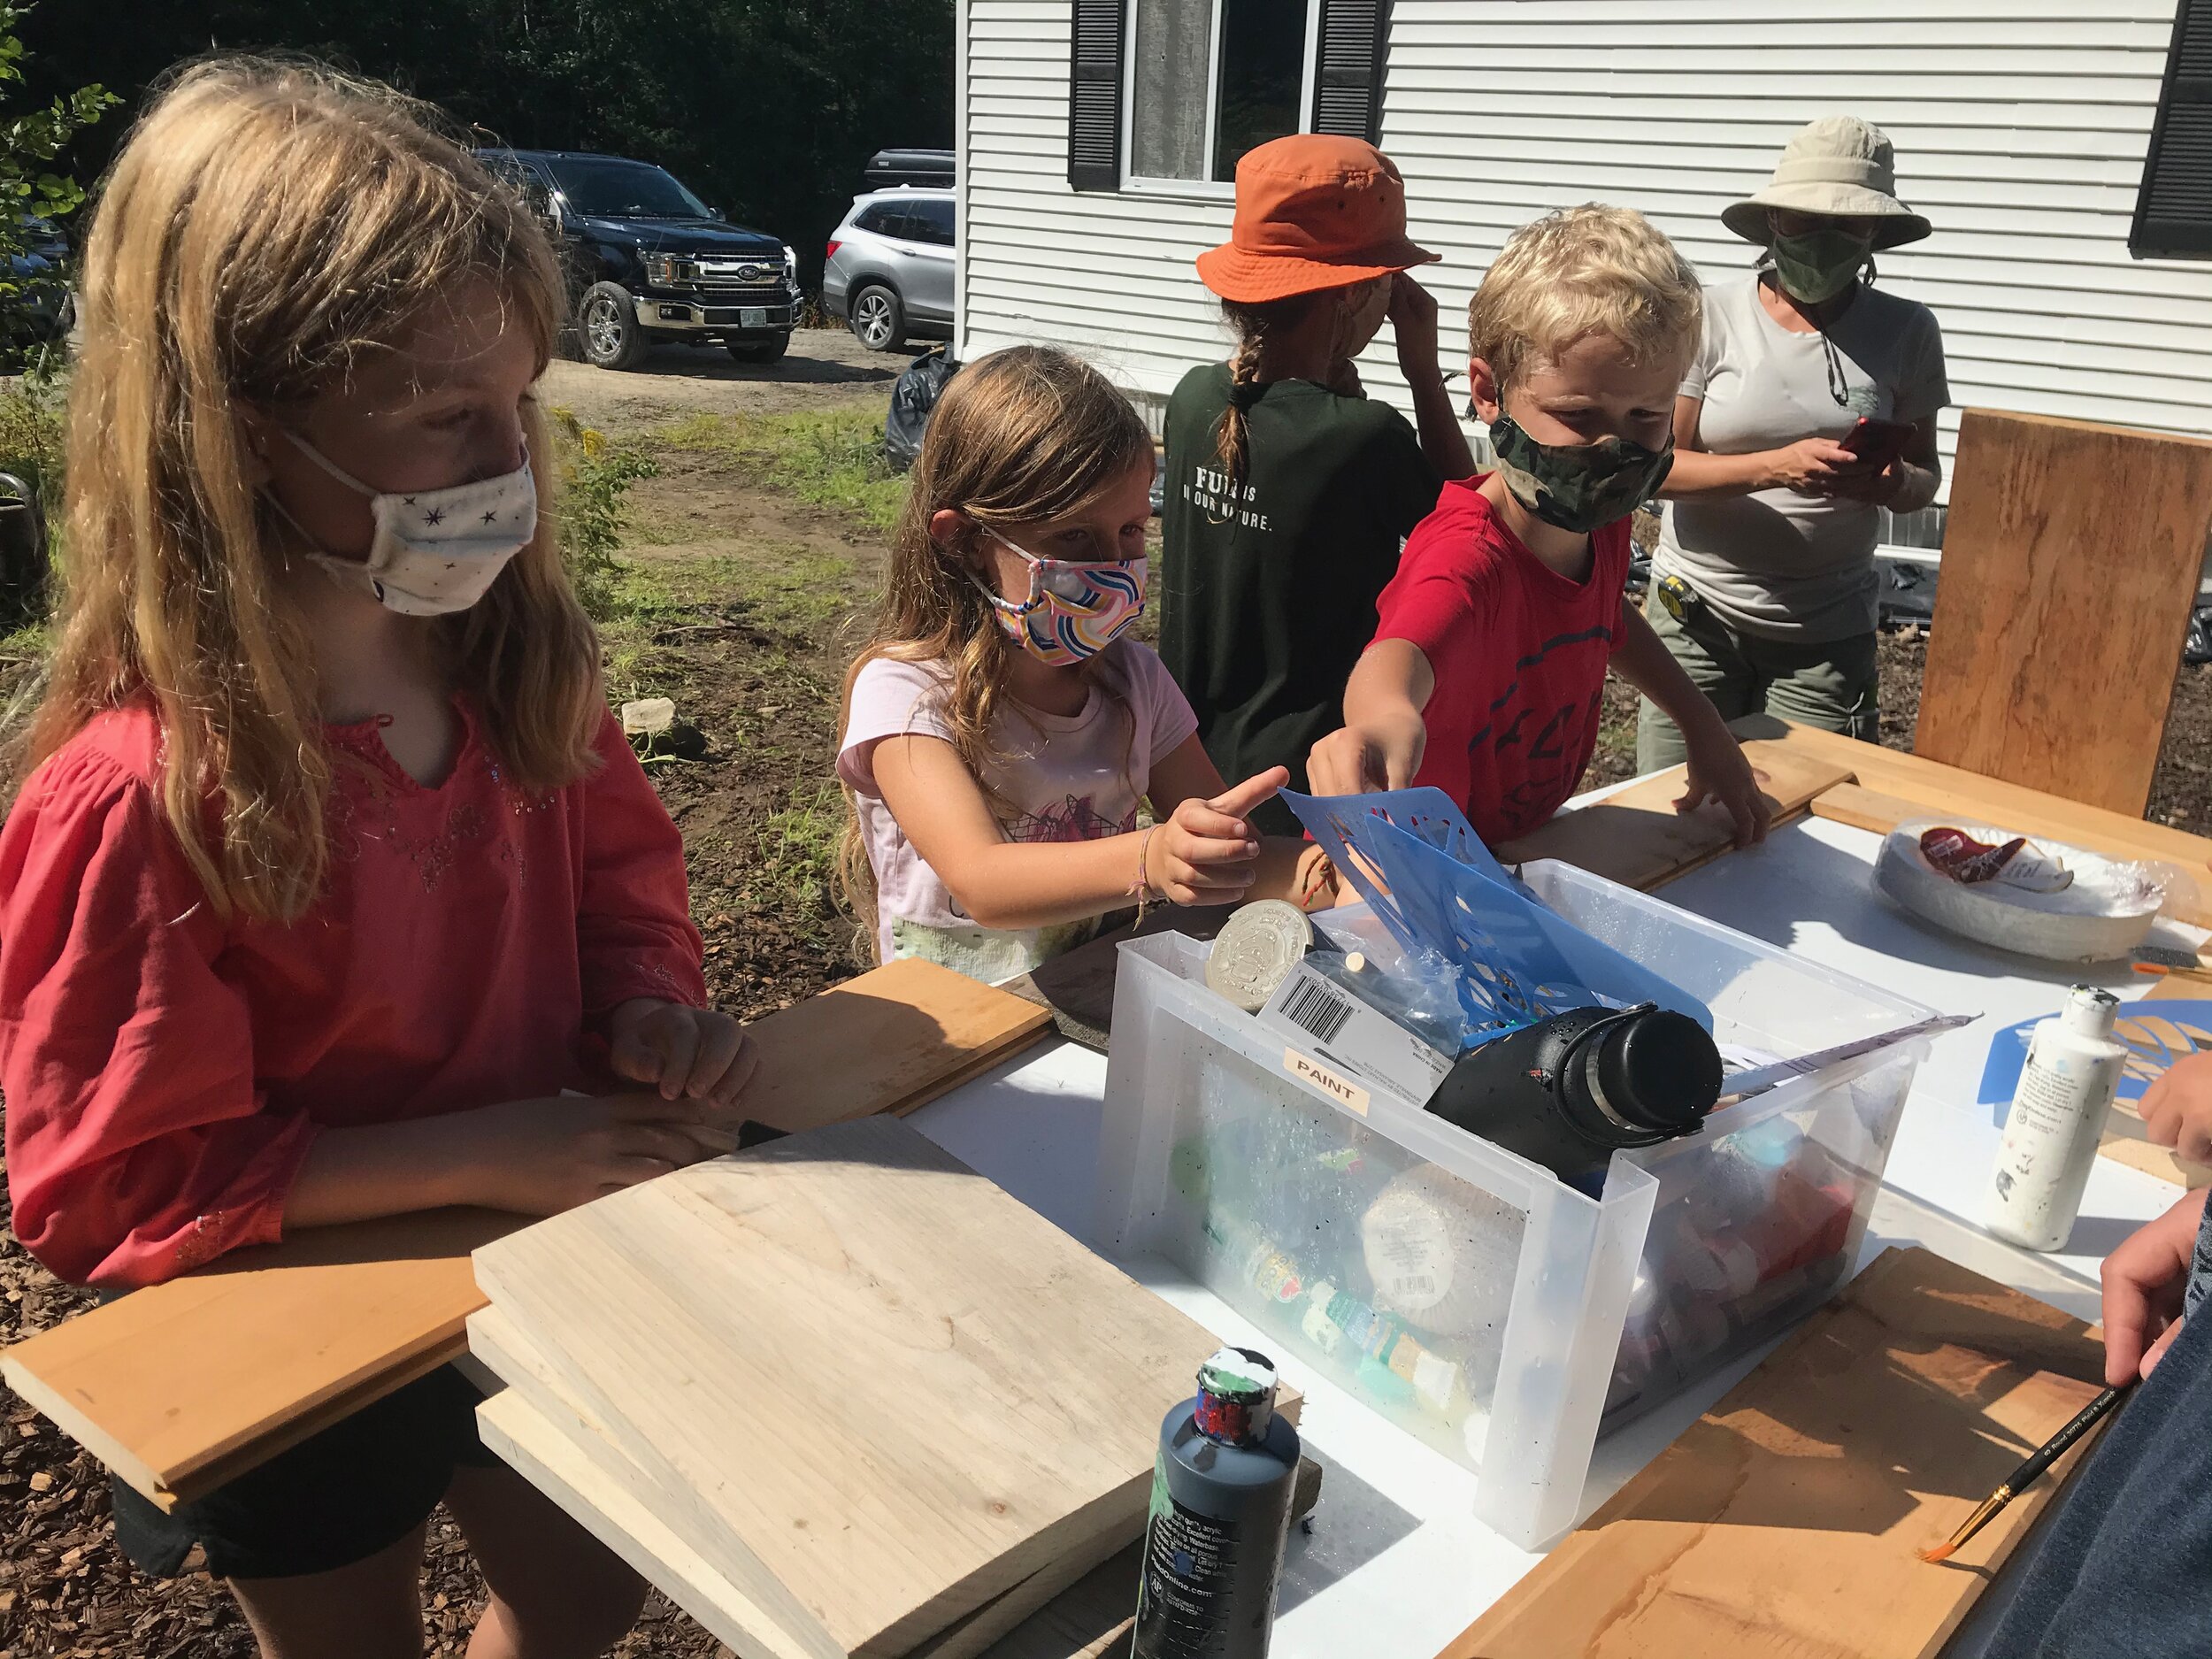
(332, 873)
(1002, 730)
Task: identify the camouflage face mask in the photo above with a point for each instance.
(1577, 487)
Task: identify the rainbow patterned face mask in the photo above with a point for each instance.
(1076, 608)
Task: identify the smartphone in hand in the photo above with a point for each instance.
(1878, 443)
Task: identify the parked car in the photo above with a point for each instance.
(889, 167)
(888, 271)
(648, 261)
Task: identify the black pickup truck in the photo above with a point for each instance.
(648, 261)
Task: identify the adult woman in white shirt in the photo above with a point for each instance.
(1763, 585)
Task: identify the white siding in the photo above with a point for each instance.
(2020, 126)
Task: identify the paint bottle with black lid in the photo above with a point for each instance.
(1221, 1498)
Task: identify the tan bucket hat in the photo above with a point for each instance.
(1839, 165)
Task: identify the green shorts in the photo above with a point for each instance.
(1831, 684)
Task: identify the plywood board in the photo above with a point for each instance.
(181, 1386)
(1787, 1519)
(1045, 1618)
(1636, 838)
(872, 1389)
(2070, 560)
(574, 1474)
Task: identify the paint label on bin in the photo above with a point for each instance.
(1349, 1040)
(1344, 1092)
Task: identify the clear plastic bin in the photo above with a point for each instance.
(1460, 1289)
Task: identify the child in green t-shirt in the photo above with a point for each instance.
(1288, 494)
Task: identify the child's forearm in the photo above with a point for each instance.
(1642, 659)
(1039, 883)
(1443, 440)
(1697, 473)
(371, 1170)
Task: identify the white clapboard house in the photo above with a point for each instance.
(1098, 139)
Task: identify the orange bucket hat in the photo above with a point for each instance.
(1313, 212)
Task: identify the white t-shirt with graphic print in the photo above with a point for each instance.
(1066, 778)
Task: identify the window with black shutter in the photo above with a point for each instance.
(2173, 209)
(1170, 92)
(1094, 95)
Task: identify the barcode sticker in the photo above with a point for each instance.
(1344, 1043)
(1313, 1007)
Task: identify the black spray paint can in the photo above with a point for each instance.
(1221, 1495)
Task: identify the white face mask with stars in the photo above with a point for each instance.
(436, 551)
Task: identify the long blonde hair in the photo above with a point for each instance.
(1019, 437)
(267, 225)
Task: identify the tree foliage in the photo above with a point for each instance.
(766, 108)
(32, 193)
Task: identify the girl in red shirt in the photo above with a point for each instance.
(332, 873)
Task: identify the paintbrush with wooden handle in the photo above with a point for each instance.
(2021, 1479)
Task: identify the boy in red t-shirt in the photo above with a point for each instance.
(1484, 676)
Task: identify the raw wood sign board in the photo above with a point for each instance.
(184, 1386)
(1055, 1615)
(1787, 1519)
(865, 1386)
(2070, 560)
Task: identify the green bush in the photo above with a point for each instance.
(32, 425)
(595, 478)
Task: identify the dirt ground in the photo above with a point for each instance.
(747, 576)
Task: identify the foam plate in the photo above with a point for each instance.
(2103, 915)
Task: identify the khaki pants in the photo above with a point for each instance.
(1831, 684)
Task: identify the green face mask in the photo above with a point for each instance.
(1819, 265)
(1577, 487)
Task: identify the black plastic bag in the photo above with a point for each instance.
(2196, 646)
(919, 385)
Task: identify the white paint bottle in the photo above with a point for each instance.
(2058, 1112)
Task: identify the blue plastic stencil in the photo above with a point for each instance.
(2157, 1034)
(1413, 856)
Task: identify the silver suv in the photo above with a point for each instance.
(888, 267)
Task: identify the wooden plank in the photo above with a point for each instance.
(556, 1465)
(181, 1386)
(184, 1386)
(1082, 1620)
(1637, 839)
(1077, 987)
(552, 1438)
(1866, 809)
(881, 1042)
(1787, 1518)
(2070, 560)
(871, 1388)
